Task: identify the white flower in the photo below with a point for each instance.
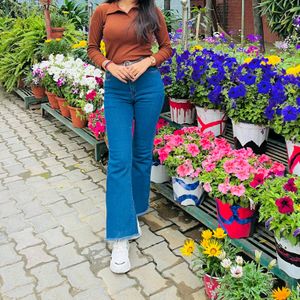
(88, 108)
(257, 255)
(222, 256)
(236, 272)
(272, 264)
(239, 260)
(226, 263)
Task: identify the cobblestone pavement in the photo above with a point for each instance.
(52, 222)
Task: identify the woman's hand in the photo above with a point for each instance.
(120, 72)
(137, 69)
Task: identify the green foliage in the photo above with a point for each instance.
(56, 46)
(58, 20)
(280, 15)
(15, 9)
(172, 18)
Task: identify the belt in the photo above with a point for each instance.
(131, 62)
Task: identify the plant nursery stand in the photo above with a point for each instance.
(27, 96)
(99, 145)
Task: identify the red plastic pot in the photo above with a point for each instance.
(238, 222)
(76, 120)
(38, 92)
(63, 106)
(52, 100)
(211, 286)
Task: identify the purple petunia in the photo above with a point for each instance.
(264, 87)
(237, 91)
(268, 223)
(167, 80)
(296, 232)
(248, 79)
(290, 113)
(298, 100)
(253, 38)
(269, 112)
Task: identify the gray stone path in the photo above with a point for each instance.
(52, 222)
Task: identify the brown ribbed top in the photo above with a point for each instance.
(110, 23)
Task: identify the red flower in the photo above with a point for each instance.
(178, 132)
(259, 179)
(91, 95)
(99, 80)
(290, 186)
(285, 205)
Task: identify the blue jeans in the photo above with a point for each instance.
(130, 155)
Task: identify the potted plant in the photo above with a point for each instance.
(233, 179)
(285, 116)
(285, 293)
(57, 25)
(175, 78)
(158, 170)
(213, 257)
(248, 99)
(97, 123)
(210, 73)
(246, 280)
(35, 80)
(280, 210)
(55, 46)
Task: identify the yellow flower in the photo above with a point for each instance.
(82, 43)
(206, 234)
(196, 47)
(293, 71)
(219, 233)
(213, 249)
(188, 248)
(273, 59)
(248, 60)
(48, 41)
(58, 39)
(281, 294)
(75, 46)
(65, 12)
(204, 243)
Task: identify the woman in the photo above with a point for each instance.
(133, 91)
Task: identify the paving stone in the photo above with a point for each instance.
(57, 170)
(11, 179)
(86, 207)
(63, 154)
(148, 238)
(20, 291)
(200, 295)
(130, 293)
(70, 222)
(3, 238)
(73, 195)
(15, 223)
(96, 221)
(184, 221)
(154, 221)
(47, 276)
(173, 236)
(36, 255)
(25, 238)
(8, 255)
(16, 169)
(170, 293)
(69, 161)
(93, 293)
(30, 297)
(50, 197)
(149, 278)
(51, 162)
(96, 175)
(163, 256)
(33, 208)
(22, 154)
(114, 282)
(8, 209)
(137, 258)
(80, 154)
(61, 292)
(67, 255)
(5, 196)
(84, 236)
(60, 208)
(86, 185)
(43, 222)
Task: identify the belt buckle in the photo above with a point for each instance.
(127, 63)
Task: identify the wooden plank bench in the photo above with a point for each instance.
(27, 96)
(85, 133)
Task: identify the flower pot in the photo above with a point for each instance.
(52, 100)
(182, 111)
(211, 120)
(38, 92)
(57, 32)
(250, 135)
(288, 257)
(21, 83)
(293, 150)
(187, 191)
(238, 222)
(63, 106)
(159, 173)
(211, 286)
(76, 121)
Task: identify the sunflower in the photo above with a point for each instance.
(281, 294)
(206, 234)
(219, 233)
(213, 248)
(188, 248)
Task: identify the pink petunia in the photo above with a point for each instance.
(162, 155)
(208, 165)
(196, 173)
(185, 169)
(207, 187)
(224, 188)
(193, 149)
(264, 158)
(238, 190)
(206, 144)
(157, 141)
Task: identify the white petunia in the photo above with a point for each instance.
(88, 108)
(239, 260)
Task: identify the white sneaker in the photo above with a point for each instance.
(119, 262)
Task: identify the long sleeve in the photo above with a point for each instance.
(163, 39)
(95, 37)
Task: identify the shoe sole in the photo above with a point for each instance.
(120, 269)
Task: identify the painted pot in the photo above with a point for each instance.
(211, 286)
(293, 150)
(288, 257)
(63, 107)
(187, 191)
(76, 120)
(182, 111)
(159, 173)
(250, 135)
(52, 100)
(238, 222)
(211, 120)
(57, 32)
(38, 92)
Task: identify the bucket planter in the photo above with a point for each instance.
(63, 106)
(288, 257)
(211, 286)
(187, 191)
(182, 111)
(38, 92)
(250, 135)
(293, 150)
(76, 121)
(159, 173)
(211, 120)
(57, 32)
(52, 100)
(238, 222)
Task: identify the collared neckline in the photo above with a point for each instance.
(114, 7)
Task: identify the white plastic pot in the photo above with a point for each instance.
(182, 111)
(159, 173)
(293, 150)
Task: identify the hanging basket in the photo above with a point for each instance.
(293, 150)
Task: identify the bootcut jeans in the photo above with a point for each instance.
(130, 149)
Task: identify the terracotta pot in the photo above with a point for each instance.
(57, 32)
(76, 121)
(63, 106)
(293, 150)
(52, 100)
(38, 92)
(238, 222)
(182, 111)
(21, 83)
(45, 2)
(211, 286)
